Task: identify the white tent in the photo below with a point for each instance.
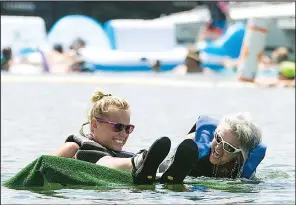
(68, 28)
(138, 35)
(20, 32)
(237, 12)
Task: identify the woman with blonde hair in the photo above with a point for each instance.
(109, 123)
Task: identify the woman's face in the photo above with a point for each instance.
(218, 155)
(104, 133)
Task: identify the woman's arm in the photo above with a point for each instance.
(67, 150)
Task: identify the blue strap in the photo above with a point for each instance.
(203, 149)
(254, 159)
(205, 128)
(204, 134)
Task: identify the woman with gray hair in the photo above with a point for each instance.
(235, 136)
(230, 148)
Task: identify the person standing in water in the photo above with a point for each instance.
(6, 59)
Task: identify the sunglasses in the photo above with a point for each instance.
(118, 127)
(226, 146)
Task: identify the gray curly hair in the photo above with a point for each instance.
(247, 132)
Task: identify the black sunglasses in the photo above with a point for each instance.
(118, 127)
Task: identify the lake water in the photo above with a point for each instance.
(39, 112)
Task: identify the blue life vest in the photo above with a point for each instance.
(205, 128)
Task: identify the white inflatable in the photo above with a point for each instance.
(68, 28)
(138, 35)
(26, 69)
(116, 60)
(19, 32)
(136, 45)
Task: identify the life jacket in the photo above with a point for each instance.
(204, 130)
(94, 150)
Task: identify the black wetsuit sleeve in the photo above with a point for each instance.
(202, 168)
(205, 168)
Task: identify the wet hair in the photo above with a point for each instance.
(156, 65)
(192, 61)
(78, 42)
(281, 54)
(102, 104)
(247, 132)
(7, 53)
(193, 53)
(58, 48)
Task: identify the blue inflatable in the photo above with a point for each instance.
(205, 127)
(26, 51)
(228, 45)
(110, 33)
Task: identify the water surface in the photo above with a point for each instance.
(39, 113)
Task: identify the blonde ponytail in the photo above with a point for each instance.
(98, 95)
(102, 103)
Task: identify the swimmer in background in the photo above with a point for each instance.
(156, 66)
(286, 69)
(58, 60)
(278, 55)
(6, 59)
(285, 78)
(278, 60)
(61, 61)
(192, 63)
(12, 63)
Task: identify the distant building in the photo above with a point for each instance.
(101, 11)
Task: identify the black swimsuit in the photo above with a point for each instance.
(205, 168)
(202, 168)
